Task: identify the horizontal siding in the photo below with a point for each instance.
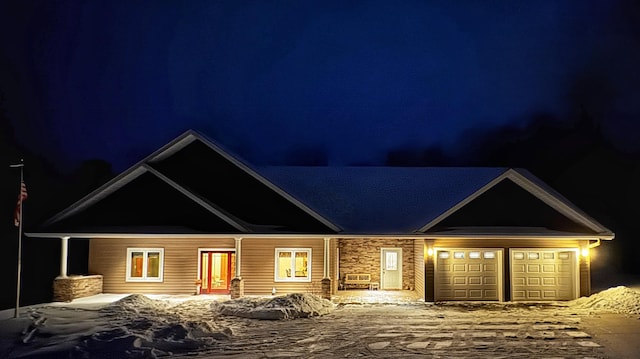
(107, 256)
(258, 265)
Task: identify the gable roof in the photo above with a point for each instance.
(313, 200)
(397, 200)
(153, 165)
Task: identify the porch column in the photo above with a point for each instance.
(326, 281)
(64, 254)
(327, 260)
(238, 257)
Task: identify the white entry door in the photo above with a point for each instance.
(391, 268)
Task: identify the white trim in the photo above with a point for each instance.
(64, 256)
(293, 278)
(326, 257)
(145, 252)
(382, 261)
(569, 236)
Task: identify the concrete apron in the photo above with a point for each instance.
(618, 334)
(376, 296)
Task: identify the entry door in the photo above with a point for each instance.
(216, 271)
(391, 271)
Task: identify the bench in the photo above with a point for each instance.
(357, 280)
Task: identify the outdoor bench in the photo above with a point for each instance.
(357, 280)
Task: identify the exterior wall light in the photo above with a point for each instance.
(584, 252)
(429, 251)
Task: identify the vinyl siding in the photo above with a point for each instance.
(107, 256)
(258, 265)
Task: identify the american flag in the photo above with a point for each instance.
(21, 197)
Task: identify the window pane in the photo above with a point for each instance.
(547, 255)
(153, 265)
(301, 264)
(443, 254)
(518, 255)
(391, 261)
(136, 264)
(284, 264)
(489, 255)
(458, 255)
(534, 255)
(474, 255)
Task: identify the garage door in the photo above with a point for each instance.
(468, 274)
(543, 274)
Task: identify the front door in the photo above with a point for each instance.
(391, 271)
(216, 271)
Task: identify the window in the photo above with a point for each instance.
(293, 265)
(534, 255)
(443, 254)
(458, 255)
(145, 264)
(391, 261)
(518, 255)
(474, 255)
(489, 255)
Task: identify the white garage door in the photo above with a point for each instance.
(543, 274)
(468, 274)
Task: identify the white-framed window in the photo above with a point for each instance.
(293, 265)
(145, 264)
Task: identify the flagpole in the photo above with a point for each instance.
(17, 310)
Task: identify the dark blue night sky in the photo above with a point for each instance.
(117, 79)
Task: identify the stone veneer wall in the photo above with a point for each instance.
(66, 289)
(362, 255)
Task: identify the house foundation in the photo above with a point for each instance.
(326, 288)
(66, 289)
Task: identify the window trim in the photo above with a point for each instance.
(293, 251)
(144, 277)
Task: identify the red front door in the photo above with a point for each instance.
(216, 271)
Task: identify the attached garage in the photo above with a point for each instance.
(468, 274)
(543, 274)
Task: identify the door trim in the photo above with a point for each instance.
(399, 250)
(199, 268)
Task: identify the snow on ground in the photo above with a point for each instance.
(619, 299)
(291, 306)
(138, 326)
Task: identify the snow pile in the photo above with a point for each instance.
(290, 306)
(618, 299)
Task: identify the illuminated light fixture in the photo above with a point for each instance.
(430, 251)
(584, 252)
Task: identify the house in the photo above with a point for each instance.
(192, 218)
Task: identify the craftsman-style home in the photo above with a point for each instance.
(192, 218)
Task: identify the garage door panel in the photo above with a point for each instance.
(474, 268)
(549, 274)
(533, 268)
(459, 267)
(548, 268)
(533, 281)
(471, 274)
(460, 280)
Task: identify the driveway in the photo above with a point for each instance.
(405, 330)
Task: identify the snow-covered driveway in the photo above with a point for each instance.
(137, 326)
(450, 331)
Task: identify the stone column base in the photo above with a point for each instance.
(237, 288)
(66, 289)
(326, 288)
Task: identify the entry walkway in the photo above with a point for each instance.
(351, 296)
